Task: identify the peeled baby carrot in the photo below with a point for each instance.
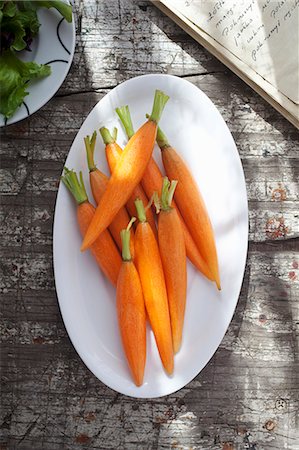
(113, 153)
(103, 249)
(127, 173)
(191, 205)
(149, 266)
(152, 182)
(98, 183)
(173, 256)
(131, 311)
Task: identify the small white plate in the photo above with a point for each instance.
(54, 45)
(87, 301)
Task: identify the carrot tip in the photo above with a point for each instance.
(84, 246)
(169, 370)
(138, 382)
(176, 347)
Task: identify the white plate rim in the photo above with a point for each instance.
(243, 259)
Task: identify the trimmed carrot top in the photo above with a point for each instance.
(108, 138)
(140, 211)
(125, 240)
(90, 143)
(75, 185)
(125, 117)
(160, 101)
(167, 193)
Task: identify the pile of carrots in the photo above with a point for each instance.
(141, 232)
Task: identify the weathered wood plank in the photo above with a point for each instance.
(258, 341)
(30, 228)
(247, 396)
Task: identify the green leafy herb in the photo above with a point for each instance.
(14, 76)
(19, 24)
(64, 9)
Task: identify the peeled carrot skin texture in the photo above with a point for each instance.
(173, 256)
(193, 209)
(113, 153)
(149, 266)
(104, 249)
(125, 177)
(139, 193)
(98, 184)
(152, 181)
(132, 319)
(192, 251)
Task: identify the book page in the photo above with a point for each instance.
(262, 33)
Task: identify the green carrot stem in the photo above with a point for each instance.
(140, 210)
(125, 240)
(157, 202)
(133, 219)
(160, 101)
(75, 185)
(162, 140)
(108, 138)
(150, 202)
(167, 193)
(125, 117)
(90, 146)
(173, 185)
(114, 133)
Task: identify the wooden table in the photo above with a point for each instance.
(247, 396)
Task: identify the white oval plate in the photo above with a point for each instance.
(54, 45)
(87, 301)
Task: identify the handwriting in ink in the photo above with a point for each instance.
(261, 43)
(236, 21)
(265, 5)
(288, 14)
(217, 6)
(277, 8)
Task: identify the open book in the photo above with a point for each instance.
(257, 39)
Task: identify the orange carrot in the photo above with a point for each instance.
(113, 153)
(131, 311)
(152, 182)
(103, 249)
(191, 204)
(98, 183)
(149, 266)
(173, 256)
(127, 173)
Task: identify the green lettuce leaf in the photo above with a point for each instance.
(19, 21)
(62, 7)
(8, 8)
(14, 76)
(18, 26)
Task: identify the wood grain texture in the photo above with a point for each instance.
(247, 396)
